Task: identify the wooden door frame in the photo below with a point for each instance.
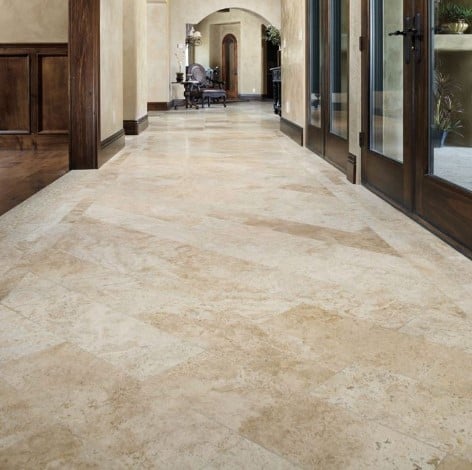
(336, 148)
(315, 138)
(236, 59)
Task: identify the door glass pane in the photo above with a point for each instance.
(450, 98)
(339, 82)
(386, 81)
(315, 62)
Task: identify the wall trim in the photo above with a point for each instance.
(250, 96)
(111, 146)
(159, 106)
(351, 168)
(135, 127)
(292, 130)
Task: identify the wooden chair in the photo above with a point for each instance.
(209, 89)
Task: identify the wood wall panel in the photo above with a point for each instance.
(15, 94)
(53, 94)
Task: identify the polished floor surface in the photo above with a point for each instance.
(218, 297)
(23, 173)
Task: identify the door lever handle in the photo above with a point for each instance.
(398, 33)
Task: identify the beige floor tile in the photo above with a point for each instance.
(426, 413)
(208, 302)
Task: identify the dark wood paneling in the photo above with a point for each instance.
(111, 146)
(84, 71)
(53, 94)
(15, 94)
(24, 173)
(137, 126)
(294, 131)
(155, 106)
(34, 142)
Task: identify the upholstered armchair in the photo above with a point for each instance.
(209, 89)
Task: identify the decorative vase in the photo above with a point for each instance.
(438, 137)
(179, 76)
(459, 27)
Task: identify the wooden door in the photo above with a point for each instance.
(328, 78)
(443, 168)
(388, 70)
(230, 65)
(417, 82)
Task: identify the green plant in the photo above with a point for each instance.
(272, 35)
(447, 106)
(452, 13)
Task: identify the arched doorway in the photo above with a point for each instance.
(230, 65)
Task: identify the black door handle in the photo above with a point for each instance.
(411, 30)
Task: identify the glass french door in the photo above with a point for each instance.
(417, 114)
(328, 98)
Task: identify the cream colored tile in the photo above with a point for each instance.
(426, 413)
(20, 336)
(315, 434)
(249, 456)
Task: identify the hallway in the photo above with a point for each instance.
(216, 296)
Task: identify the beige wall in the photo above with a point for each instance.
(159, 52)
(246, 27)
(111, 67)
(134, 59)
(33, 21)
(293, 32)
(355, 82)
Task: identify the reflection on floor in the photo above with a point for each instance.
(218, 297)
(454, 164)
(23, 173)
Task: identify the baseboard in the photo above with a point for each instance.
(159, 106)
(294, 131)
(351, 168)
(137, 126)
(111, 146)
(251, 97)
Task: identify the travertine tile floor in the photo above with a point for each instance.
(218, 297)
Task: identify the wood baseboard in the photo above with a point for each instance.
(251, 97)
(159, 106)
(111, 146)
(292, 130)
(135, 127)
(351, 168)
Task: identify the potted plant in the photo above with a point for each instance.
(180, 56)
(454, 18)
(447, 108)
(273, 35)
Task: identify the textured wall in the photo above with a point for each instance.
(159, 52)
(111, 67)
(134, 59)
(293, 61)
(246, 27)
(355, 82)
(34, 21)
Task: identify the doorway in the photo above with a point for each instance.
(230, 65)
(413, 93)
(328, 91)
